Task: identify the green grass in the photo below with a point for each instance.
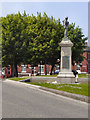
(46, 76)
(18, 78)
(82, 75)
(81, 89)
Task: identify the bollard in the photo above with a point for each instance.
(76, 80)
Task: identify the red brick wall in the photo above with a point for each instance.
(84, 63)
(28, 70)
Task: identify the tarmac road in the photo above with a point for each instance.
(23, 101)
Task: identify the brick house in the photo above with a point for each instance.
(40, 69)
(83, 66)
(28, 70)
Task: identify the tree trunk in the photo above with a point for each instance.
(16, 71)
(52, 69)
(12, 70)
(45, 69)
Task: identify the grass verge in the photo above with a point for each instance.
(18, 78)
(46, 76)
(81, 89)
(83, 76)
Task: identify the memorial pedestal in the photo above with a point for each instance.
(66, 74)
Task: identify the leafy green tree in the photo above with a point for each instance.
(78, 39)
(44, 35)
(13, 40)
(32, 39)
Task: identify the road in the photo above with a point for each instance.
(21, 101)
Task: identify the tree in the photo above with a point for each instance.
(31, 39)
(78, 39)
(13, 40)
(44, 35)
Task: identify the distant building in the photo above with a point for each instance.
(37, 70)
(88, 59)
(28, 70)
(83, 66)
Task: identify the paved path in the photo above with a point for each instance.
(23, 101)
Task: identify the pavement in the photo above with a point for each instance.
(52, 79)
(63, 93)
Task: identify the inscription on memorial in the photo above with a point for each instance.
(65, 62)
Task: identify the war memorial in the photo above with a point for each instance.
(66, 75)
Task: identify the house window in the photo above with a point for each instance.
(8, 69)
(23, 68)
(40, 68)
(57, 67)
(84, 66)
(3, 71)
(78, 67)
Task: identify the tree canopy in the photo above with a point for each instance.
(78, 40)
(31, 39)
(13, 40)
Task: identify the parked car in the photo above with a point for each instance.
(56, 72)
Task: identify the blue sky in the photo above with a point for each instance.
(77, 12)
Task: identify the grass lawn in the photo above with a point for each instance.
(81, 89)
(18, 78)
(46, 76)
(83, 76)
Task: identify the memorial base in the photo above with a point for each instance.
(66, 78)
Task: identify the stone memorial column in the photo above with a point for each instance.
(66, 74)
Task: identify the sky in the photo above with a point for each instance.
(77, 12)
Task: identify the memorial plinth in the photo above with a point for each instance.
(66, 74)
